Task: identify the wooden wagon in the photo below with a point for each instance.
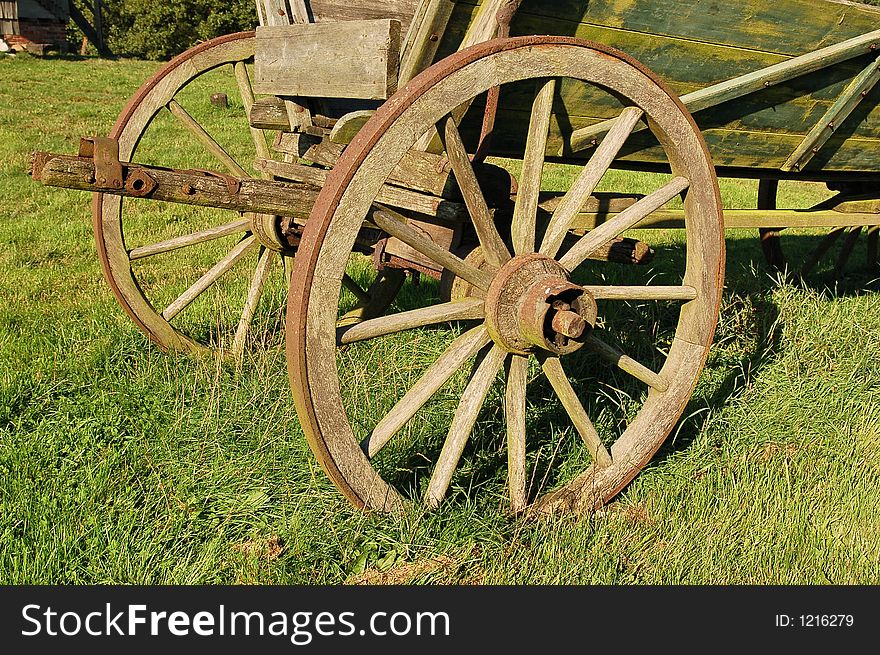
(411, 139)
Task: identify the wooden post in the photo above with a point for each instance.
(288, 12)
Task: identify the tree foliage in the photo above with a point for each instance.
(160, 30)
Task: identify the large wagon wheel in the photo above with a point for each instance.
(845, 236)
(193, 279)
(528, 312)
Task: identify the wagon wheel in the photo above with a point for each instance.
(847, 236)
(530, 318)
(194, 279)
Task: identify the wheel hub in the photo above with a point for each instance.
(532, 304)
(274, 232)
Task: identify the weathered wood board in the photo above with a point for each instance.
(693, 44)
(353, 59)
(333, 11)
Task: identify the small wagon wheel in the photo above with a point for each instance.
(196, 280)
(530, 316)
(846, 236)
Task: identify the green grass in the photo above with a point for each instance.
(122, 464)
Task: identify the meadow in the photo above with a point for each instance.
(120, 463)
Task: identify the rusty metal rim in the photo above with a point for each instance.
(342, 174)
(117, 129)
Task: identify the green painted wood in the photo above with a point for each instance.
(692, 44)
(729, 148)
(836, 116)
(788, 27)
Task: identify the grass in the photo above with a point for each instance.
(122, 464)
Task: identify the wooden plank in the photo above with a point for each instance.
(269, 113)
(788, 27)
(834, 118)
(348, 126)
(757, 80)
(356, 59)
(280, 13)
(735, 219)
(423, 38)
(334, 11)
(420, 171)
(309, 147)
(393, 196)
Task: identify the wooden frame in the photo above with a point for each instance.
(353, 59)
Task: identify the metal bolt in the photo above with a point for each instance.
(433, 37)
(569, 324)
(767, 83)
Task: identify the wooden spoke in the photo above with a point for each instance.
(253, 299)
(287, 262)
(823, 247)
(382, 292)
(555, 374)
(395, 225)
(206, 139)
(209, 278)
(523, 226)
(463, 423)
(462, 349)
(627, 364)
(589, 178)
(626, 219)
(247, 99)
(355, 288)
(642, 293)
(326, 405)
(494, 250)
(515, 413)
(846, 251)
(190, 239)
(468, 309)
